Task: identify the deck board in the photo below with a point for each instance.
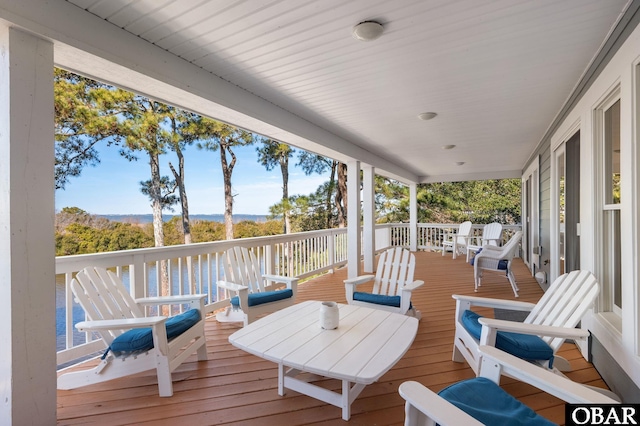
(236, 388)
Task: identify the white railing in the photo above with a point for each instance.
(195, 268)
(431, 235)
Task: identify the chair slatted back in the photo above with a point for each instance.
(395, 270)
(103, 296)
(242, 266)
(565, 302)
(464, 230)
(492, 233)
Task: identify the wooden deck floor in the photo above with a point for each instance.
(236, 388)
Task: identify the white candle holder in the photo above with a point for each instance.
(329, 315)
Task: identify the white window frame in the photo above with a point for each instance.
(606, 307)
(556, 251)
(532, 174)
(633, 314)
(557, 149)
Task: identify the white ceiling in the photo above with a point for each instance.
(496, 72)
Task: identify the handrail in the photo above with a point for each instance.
(431, 235)
(195, 268)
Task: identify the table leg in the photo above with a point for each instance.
(344, 400)
(349, 394)
(280, 379)
(346, 403)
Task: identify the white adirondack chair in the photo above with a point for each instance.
(392, 284)
(120, 321)
(497, 259)
(254, 295)
(484, 402)
(458, 241)
(491, 236)
(544, 330)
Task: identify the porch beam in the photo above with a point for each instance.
(413, 217)
(462, 177)
(27, 246)
(369, 218)
(353, 219)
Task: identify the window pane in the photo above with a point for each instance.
(612, 154)
(612, 255)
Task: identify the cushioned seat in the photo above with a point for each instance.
(378, 299)
(525, 346)
(502, 264)
(256, 299)
(490, 404)
(141, 339)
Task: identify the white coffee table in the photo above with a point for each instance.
(366, 344)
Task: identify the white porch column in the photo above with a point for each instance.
(369, 218)
(413, 216)
(27, 246)
(353, 219)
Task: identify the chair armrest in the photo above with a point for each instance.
(539, 330)
(473, 246)
(497, 362)
(491, 248)
(412, 286)
(435, 407)
(492, 255)
(120, 324)
(281, 279)
(495, 303)
(359, 280)
(164, 300)
(231, 286)
(496, 240)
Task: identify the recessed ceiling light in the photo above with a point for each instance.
(459, 163)
(448, 146)
(367, 31)
(427, 116)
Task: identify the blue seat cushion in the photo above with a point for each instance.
(264, 297)
(488, 403)
(378, 299)
(525, 346)
(502, 264)
(141, 339)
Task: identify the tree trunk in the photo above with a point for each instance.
(184, 204)
(227, 170)
(156, 206)
(332, 183)
(341, 195)
(284, 167)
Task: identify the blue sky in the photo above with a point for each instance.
(112, 187)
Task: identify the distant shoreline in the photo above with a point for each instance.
(148, 218)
